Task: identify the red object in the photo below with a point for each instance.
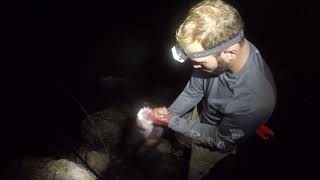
(160, 116)
(264, 132)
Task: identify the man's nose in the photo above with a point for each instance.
(195, 64)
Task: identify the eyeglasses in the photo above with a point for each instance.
(180, 55)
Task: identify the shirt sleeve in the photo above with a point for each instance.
(190, 96)
(232, 129)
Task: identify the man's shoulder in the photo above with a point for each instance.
(258, 77)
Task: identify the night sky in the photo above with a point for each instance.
(56, 50)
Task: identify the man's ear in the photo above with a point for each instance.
(230, 53)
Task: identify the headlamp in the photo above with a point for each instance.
(180, 55)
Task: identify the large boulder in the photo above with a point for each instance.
(99, 161)
(104, 129)
(47, 169)
(66, 170)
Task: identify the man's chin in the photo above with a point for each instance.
(208, 70)
(215, 72)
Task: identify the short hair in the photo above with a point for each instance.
(211, 23)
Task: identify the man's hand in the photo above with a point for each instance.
(160, 116)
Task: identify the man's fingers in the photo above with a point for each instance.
(161, 110)
(165, 118)
(160, 121)
(160, 116)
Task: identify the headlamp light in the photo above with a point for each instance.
(179, 54)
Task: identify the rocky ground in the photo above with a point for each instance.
(108, 145)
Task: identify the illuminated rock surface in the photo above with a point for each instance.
(45, 169)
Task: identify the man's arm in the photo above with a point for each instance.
(232, 129)
(190, 96)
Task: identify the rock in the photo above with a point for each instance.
(47, 169)
(104, 128)
(66, 170)
(97, 160)
(164, 147)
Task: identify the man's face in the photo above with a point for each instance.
(212, 64)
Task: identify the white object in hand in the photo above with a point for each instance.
(144, 122)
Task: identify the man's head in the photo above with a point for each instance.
(208, 25)
(212, 63)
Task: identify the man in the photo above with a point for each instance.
(231, 83)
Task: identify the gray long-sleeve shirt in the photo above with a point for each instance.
(233, 105)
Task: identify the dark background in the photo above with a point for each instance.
(58, 49)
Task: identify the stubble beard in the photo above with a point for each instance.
(222, 66)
